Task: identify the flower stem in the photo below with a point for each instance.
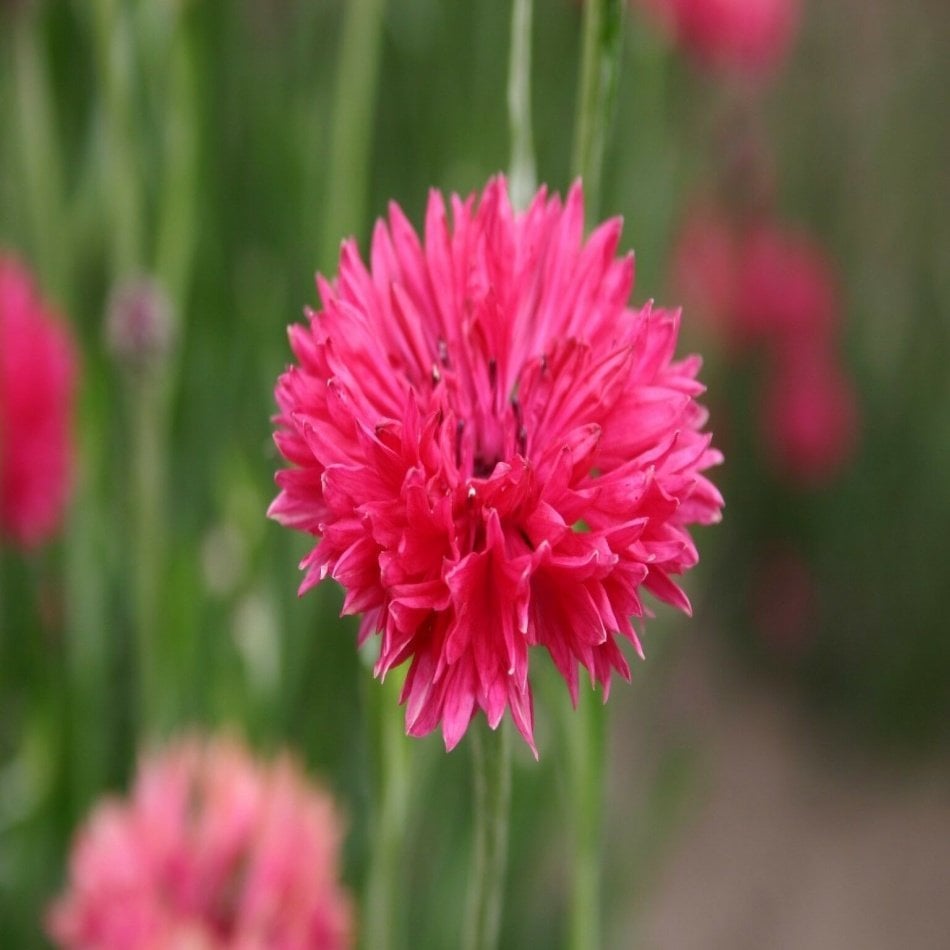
(587, 726)
(41, 169)
(597, 87)
(379, 930)
(492, 794)
(352, 120)
(147, 542)
(586, 743)
(521, 174)
(114, 54)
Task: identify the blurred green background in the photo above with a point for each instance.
(191, 141)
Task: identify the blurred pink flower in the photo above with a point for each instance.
(37, 380)
(810, 418)
(746, 36)
(787, 290)
(212, 850)
(495, 450)
(705, 269)
(785, 601)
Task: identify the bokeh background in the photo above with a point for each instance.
(778, 768)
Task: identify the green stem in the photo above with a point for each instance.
(379, 930)
(587, 731)
(352, 122)
(41, 168)
(147, 542)
(587, 727)
(114, 52)
(597, 88)
(180, 198)
(522, 175)
(491, 767)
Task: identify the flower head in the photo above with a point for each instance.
(496, 452)
(744, 36)
(37, 379)
(212, 850)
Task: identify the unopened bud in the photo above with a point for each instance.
(139, 323)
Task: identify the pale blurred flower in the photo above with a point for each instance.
(211, 850)
(139, 322)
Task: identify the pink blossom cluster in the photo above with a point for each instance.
(495, 451)
(751, 37)
(38, 365)
(211, 850)
(759, 284)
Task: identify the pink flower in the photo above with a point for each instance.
(756, 282)
(787, 290)
(785, 601)
(810, 418)
(495, 450)
(705, 271)
(746, 36)
(37, 381)
(213, 850)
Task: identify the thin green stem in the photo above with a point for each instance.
(587, 727)
(114, 53)
(40, 164)
(521, 174)
(491, 768)
(379, 930)
(148, 423)
(587, 731)
(597, 89)
(353, 111)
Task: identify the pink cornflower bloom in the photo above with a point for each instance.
(212, 850)
(37, 380)
(751, 37)
(495, 450)
(809, 418)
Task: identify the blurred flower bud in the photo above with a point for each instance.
(750, 37)
(810, 419)
(705, 271)
(139, 323)
(39, 365)
(788, 290)
(13, 7)
(784, 602)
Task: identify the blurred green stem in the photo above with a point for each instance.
(587, 730)
(597, 88)
(350, 135)
(147, 539)
(587, 725)
(114, 53)
(40, 163)
(522, 174)
(491, 768)
(379, 929)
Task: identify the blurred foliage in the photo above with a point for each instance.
(215, 116)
